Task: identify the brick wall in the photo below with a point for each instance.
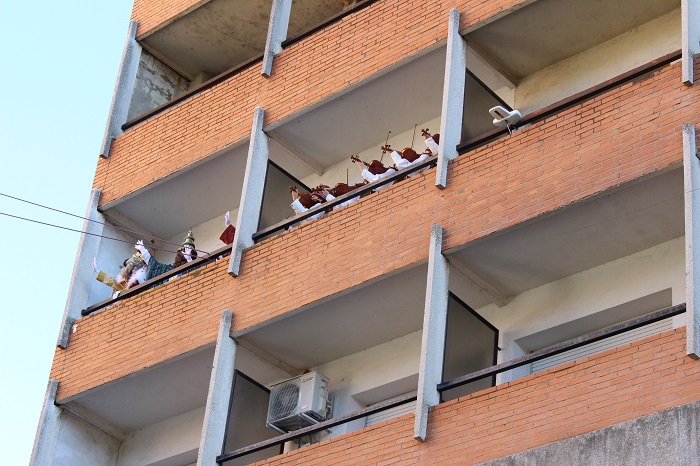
(154, 14)
(319, 66)
(592, 393)
(577, 153)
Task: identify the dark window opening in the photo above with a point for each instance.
(471, 344)
(247, 418)
(478, 100)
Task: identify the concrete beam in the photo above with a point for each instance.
(123, 89)
(268, 358)
(47, 431)
(297, 153)
(690, 37)
(434, 329)
(691, 181)
(83, 276)
(253, 188)
(495, 295)
(452, 98)
(276, 33)
(96, 421)
(220, 385)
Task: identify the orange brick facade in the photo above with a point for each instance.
(309, 71)
(154, 14)
(641, 378)
(588, 148)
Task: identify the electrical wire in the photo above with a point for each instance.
(83, 232)
(99, 223)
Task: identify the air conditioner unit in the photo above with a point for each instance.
(299, 402)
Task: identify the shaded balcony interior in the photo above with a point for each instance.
(153, 416)
(551, 49)
(213, 38)
(365, 364)
(602, 261)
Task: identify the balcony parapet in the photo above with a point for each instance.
(592, 393)
(595, 145)
(308, 71)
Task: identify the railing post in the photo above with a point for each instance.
(691, 181)
(276, 33)
(220, 384)
(690, 37)
(123, 89)
(83, 277)
(452, 98)
(434, 329)
(253, 188)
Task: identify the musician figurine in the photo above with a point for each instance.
(431, 141)
(305, 201)
(407, 157)
(374, 171)
(187, 253)
(337, 191)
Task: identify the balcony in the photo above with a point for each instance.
(208, 44)
(586, 158)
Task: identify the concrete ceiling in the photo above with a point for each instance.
(153, 395)
(208, 189)
(361, 118)
(580, 237)
(366, 317)
(221, 34)
(548, 31)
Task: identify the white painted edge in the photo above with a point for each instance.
(691, 188)
(123, 89)
(220, 384)
(690, 37)
(82, 277)
(253, 188)
(47, 430)
(276, 33)
(434, 329)
(452, 98)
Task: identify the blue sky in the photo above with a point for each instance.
(59, 66)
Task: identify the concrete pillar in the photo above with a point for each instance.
(220, 384)
(691, 172)
(83, 276)
(690, 37)
(253, 187)
(47, 431)
(276, 33)
(123, 89)
(452, 98)
(434, 328)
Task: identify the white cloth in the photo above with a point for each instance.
(432, 145)
(300, 209)
(370, 177)
(402, 163)
(330, 197)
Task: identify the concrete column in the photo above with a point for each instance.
(276, 33)
(83, 276)
(220, 384)
(690, 37)
(123, 89)
(47, 431)
(452, 98)
(691, 172)
(434, 328)
(253, 187)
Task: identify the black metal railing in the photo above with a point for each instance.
(192, 92)
(575, 99)
(327, 22)
(243, 66)
(328, 206)
(379, 407)
(160, 279)
(567, 345)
